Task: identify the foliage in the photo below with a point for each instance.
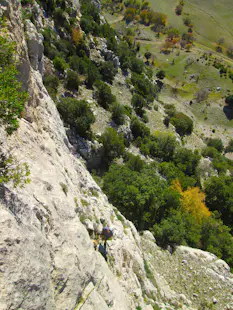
(104, 95)
(160, 145)
(192, 201)
(108, 71)
(216, 238)
(138, 128)
(219, 197)
(187, 161)
(178, 228)
(229, 147)
(13, 171)
(118, 113)
(216, 143)
(170, 172)
(138, 102)
(144, 87)
(160, 74)
(51, 82)
(136, 194)
(60, 64)
(77, 114)
(179, 9)
(12, 97)
(113, 144)
(229, 100)
(72, 80)
(182, 123)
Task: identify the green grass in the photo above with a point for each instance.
(211, 19)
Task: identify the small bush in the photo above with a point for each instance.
(182, 123)
(72, 80)
(216, 143)
(160, 74)
(139, 129)
(104, 95)
(138, 102)
(77, 114)
(60, 64)
(108, 71)
(118, 113)
(113, 144)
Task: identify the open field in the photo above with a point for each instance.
(212, 19)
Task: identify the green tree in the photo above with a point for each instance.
(139, 129)
(160, 74)
(113, 144)
(104, 95)
(138, 195)
(216, 143)
(216, 238)
(108, 71)
(77, 114)
(178, 228)
(72, 80)
(118, 113)
(229, 147)
(12, 97)
(93, 75)
(229, 100)
(187, 161)
(219, 197)
(182, 123)
(138, 102)
(60, 64)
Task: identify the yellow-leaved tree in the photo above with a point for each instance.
(192, 201)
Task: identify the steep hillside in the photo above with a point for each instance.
(47, 257)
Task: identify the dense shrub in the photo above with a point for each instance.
(137, 65)
(51, 82)
(139, 129)
(138, 103)
(219, 197)
(12, 98)
(108, 71)
(182, 123)
(104, 95)
(144, 87)
(136, 194)
(113, 144)
(229, 147)
(216, 143)
(72, 80)
(118, 113)
(93, 75)
(187, 161)
(160, 74)
(60, 64)
(229, 100)
(77, 114)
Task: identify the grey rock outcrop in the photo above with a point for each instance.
(47, 259)
(35, 46)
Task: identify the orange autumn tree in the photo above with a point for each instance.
(192, 201)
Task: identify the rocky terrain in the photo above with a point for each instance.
(47, 259)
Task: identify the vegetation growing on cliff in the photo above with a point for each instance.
(12, 97)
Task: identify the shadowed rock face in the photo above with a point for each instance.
(47, 259)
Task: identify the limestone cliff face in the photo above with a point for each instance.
(47, 259)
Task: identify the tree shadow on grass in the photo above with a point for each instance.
(228, 112)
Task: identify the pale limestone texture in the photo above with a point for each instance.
(47, 259)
